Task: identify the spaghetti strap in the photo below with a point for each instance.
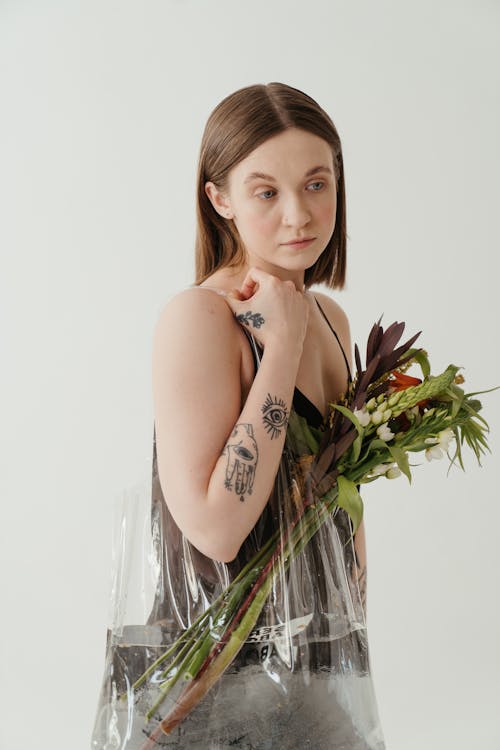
(336, 336)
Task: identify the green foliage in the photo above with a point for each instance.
(350, 500)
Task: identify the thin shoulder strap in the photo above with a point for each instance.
(336, 336)
(255, 349)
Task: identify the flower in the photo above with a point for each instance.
(438, 445)
(380, 469)
(384, 432)
(377, 417)
(394, 472)
(400, 381)
(433, 453)
(362, 416)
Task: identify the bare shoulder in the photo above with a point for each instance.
(196, 306)
(336, 314)
(194, 319)
(196, 347)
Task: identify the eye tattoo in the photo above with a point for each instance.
(249, 316)
(275, 415)
(242, 454)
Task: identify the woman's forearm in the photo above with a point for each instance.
(243, 477)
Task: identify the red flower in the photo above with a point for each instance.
(400, 381)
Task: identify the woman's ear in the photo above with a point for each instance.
(219, 201)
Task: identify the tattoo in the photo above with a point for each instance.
(275, 415)
(255, 318)
(242, 455)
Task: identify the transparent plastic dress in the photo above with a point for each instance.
(301, 676)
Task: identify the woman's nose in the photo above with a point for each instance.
(296, 212)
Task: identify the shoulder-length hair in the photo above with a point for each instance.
(237, 125)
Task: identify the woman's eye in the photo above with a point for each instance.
(264, 192)
(318, 182)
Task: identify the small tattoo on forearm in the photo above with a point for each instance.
(249, 316)
(242, 455)
(275, 415)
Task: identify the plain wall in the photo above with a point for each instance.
(103, 106)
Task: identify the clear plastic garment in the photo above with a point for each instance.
(299, 678)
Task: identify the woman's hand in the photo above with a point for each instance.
(273, 310)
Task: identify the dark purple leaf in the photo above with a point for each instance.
(374, 340)
(357, 358)
(345, 442)
(391, 338)
(323, 463)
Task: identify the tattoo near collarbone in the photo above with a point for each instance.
(242, 456)
(274, 415)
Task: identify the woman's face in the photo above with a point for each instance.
(297, 198)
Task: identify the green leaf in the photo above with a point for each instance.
(422, 359)
(477, 393)
(301, 435)
(350, 500)
(356, 448)
(377, 443)
(401, 458)
(358, 443)
(350, 415)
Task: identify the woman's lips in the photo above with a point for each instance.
(302, 243)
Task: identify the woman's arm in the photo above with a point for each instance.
(217, 461)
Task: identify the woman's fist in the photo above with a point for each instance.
(272, 309)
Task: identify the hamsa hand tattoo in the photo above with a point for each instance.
(242, 455)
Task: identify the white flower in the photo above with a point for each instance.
(362, 416)
(439, 445)
(377, 417)
(433, 452)
(444, 438)
(371, 404)
(380, 469)
(384, 432)
(393, 472)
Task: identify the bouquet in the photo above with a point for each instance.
(385, 415)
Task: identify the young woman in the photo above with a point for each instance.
(233, 355)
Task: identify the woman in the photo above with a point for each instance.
(233, 355)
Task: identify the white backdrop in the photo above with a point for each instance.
(103, 107)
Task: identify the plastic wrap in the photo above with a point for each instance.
(301, 676)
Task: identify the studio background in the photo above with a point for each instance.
(103, 108)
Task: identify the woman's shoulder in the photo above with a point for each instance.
(335, 312)
(196, 322)
(191, 302)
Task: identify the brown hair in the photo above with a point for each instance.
(237, 125)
